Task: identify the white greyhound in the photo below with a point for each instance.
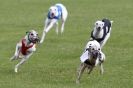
(101, 31)
(25, 48)
(55, 13)
(91, 57)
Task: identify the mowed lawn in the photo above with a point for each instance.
(55, 62)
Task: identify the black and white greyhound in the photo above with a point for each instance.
(101, 31)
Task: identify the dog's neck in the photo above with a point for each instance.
(90, 61)
(27, 40)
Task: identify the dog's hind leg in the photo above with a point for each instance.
(64, 17)
(17, 51)
(22, 61)
(80, 71)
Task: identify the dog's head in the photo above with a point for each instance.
(53, 11)
(99, 25)
(33, 36)
(94, 48)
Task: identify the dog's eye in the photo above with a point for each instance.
(99, 49)
(31, 34)
(93, 49)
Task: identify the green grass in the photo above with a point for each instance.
(54, 63)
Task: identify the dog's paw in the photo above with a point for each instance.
(16, 70)
(41, 42)
(101, 72)
(77, 82)
(13, 58)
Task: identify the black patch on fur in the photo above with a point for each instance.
(89, 63)
(107, 23)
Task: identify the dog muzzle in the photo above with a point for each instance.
(99, 28)
(52, 15)
(34, 39)
(95, 54)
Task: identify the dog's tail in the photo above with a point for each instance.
(111, 22)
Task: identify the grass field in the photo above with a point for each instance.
(54, 63)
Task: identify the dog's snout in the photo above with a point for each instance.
(95, 53)
(52, 14)
(99, 28)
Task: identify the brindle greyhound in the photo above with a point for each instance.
(91, 57)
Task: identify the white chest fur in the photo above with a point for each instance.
(98, 34)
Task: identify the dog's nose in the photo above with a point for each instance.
(52, 14)
(98, 28)
(95, 53)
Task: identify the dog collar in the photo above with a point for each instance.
(29, 39)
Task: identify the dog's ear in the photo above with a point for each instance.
(87, 49)
(27, 32)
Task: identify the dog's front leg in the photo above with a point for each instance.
(17, 51)
(62, 26)
(90, 69)
(51, 24)
(47, 22)
(22, 61)
(43, 36)
(80, 71)
(101, 68)
(48, 26)
(57, 28)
